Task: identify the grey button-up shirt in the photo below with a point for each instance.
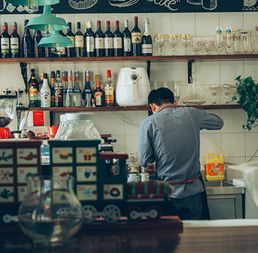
(171, 138)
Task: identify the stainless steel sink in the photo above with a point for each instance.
(217, 184)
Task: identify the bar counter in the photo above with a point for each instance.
(235, 236)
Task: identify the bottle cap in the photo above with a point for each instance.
(108, 72)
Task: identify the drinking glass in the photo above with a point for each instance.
(236, 42)
(227, 91)
(214, 90)
(173, 40)
(160, 40)
(244, 42)
(198, 44)
(220, 41)
(210, 44)
(229, 42)
(50, 212)
(187, 41)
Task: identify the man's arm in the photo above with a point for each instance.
(145, 150)
(207, 120)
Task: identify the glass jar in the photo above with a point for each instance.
(50, 212)
(7, 109)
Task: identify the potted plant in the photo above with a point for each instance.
(247, 96)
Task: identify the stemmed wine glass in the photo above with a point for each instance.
(187, 41)
(229, 40)
(210, 44)
(198, 44)
(160, 40)
(173, 40)
(227, 91)
(214, 90)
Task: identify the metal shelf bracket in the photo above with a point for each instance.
(23, 67)
(190, 71)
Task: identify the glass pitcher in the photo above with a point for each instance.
(50, 213)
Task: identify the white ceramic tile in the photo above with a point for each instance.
(230, 70)
(11, 77)
(157, 22)
(250, 69)
(210, 143)
(131, 143)
(161, 71)
(179, 72)
(250, 20)
(251, 144)
(234, 160)
(96, 116)
(233, 121)
(207, 72)
(233, 144)
(112, 123)
(119, 145)
(62, 66)
(235, 20)
(133, 120)
(206, 23)
(183, 23)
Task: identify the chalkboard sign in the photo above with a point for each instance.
(139, 6)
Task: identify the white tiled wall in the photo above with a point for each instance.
(238, 145)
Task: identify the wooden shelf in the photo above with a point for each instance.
(132, 58)
(127, 108)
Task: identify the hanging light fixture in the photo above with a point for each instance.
(55, 40)
(47, 22)
(33, 3)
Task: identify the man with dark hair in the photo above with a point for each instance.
(171, 138)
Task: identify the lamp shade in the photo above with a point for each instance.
(55, 40)
(47, 21)
(33, 3)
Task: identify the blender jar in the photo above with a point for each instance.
(7, 109)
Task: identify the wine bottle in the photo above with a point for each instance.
(45, 93)
(77, 94)
(99, 93)
(87, 93)
(5, 42)
(69, 93)
(136, 39)
(127, 40)
(34, 91)
(99, 41)
(38, 51)
(118, 41)
(60, 51)
(109, 41)
(52, 88)
(146, 40)
(79, 41)
(27, 48)
(70, 51)
(89, 39)
(15, 42)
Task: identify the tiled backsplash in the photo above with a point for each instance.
(238, 145)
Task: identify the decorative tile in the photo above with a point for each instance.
(23, 173)
(86, 192)
(62, 155)
(6, 156)
(6, 194)
(86, 155)
(113, 191)
(27, 156)
(86, 173)
(21, 193)
(62, 172)
(6, 176)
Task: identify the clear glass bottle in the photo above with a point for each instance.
(77, 94)
(69, 92)
(58, 90)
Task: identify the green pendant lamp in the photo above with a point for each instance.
(33, 3)
(55, 40)
(47, 22)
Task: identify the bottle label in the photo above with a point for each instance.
(79, 41)
(45, 98)
(34, 94)
(73, 41)
(90, 44)
(127, 44)
(14, 45)
(118, 43)
(58, 97)
(109, 95)
(147, 48)
(98, 96)
(136, 38)
(5, 45)
(109, 43)
(99, 43)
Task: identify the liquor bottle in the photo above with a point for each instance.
(27, 48)
(99, 41)
(52, 88)
(127, 40)
(77, 94)
(118, 41)
(146, 40)
(58, 100)
(41, 80)
(38, 51)
(136, 39)
(109, 41)
(5, 42)
(79, 41)
(99, 93)
(87, 93)
(70, 51)
(65, 84)
(69, 93)
(45, 96)
(34, 91)
(15, 42)
(60, 51)
(89, 39)
(109, 90)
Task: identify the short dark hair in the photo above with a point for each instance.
(161, 96)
